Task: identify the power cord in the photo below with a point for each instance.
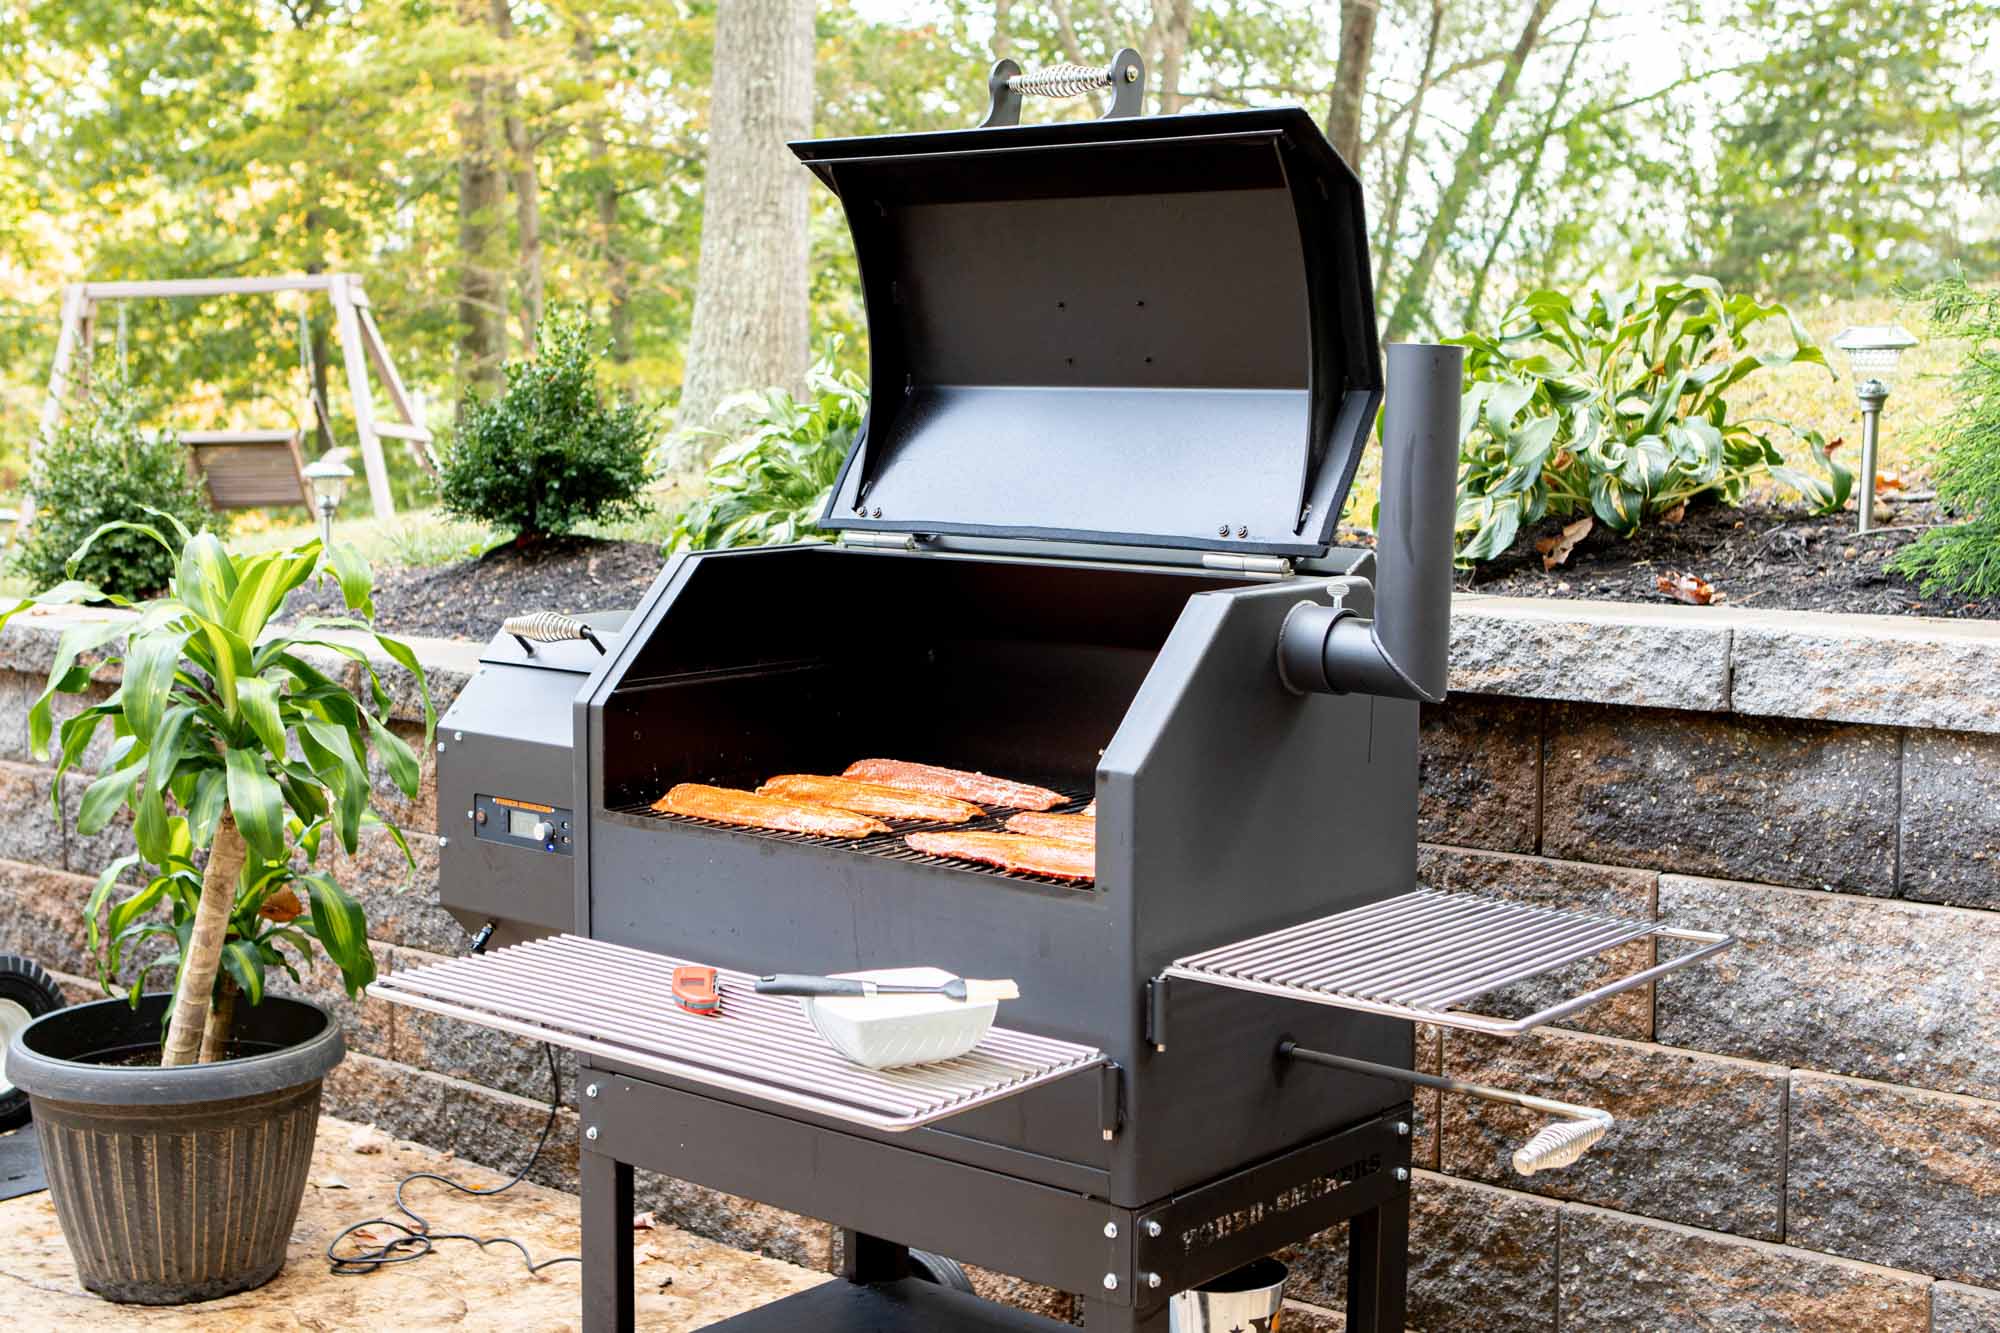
(417, 1241)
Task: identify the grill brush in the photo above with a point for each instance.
(958, 988)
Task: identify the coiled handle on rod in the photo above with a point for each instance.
(1558, 1145)
(1125, 76)
(548, 627)
(1554, 1145)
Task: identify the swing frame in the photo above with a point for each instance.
(361, 343)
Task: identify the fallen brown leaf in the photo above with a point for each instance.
(282, 906)
(1688, 588)
(328, 1182)
(1675, 515)
(644, 1221)
(1889, 481)
(1555, 550)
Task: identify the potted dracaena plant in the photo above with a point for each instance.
(177, 1158)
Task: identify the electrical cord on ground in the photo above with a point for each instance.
(417, 1241)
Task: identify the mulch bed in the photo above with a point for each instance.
(1761, 556)
(469, 598)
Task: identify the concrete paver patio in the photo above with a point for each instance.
(684, 1281)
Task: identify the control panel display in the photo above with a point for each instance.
(520, 823)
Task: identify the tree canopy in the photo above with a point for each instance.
(479, 160)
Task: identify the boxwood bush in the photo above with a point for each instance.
(550, 450)
(102, 468)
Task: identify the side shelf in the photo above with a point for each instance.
(1421, 955)
(614, 1002)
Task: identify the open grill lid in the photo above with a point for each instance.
(1153, 331)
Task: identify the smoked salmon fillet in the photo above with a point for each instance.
(1067, 828)
(1012, 851)
(933, 781)
(725, 805)
(868, 798)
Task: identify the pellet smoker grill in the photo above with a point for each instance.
(1122, 371)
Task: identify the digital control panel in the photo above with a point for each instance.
(518, 823)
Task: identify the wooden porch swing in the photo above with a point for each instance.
(244, 469)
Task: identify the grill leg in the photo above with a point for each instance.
(865, 1258)
(1378, 1261)
(607, 1243)
(1103, 1317)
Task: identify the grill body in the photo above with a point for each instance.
(1226, 806)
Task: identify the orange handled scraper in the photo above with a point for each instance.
(694, 990)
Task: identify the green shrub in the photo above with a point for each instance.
(102, 468)
(549, 451)
(1619, 410)
(1965, 557)
(772, 480)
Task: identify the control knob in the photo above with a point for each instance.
(544, 830)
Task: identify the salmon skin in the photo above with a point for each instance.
(1012, 851)
(725, 805)
(933, 781)
(1067, 828)
(868, 798)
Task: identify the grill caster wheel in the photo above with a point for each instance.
(928, 1267)
(26, 993)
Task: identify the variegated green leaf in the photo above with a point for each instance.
(256, 802)
(246, 968)
(102, 798)
(396, 753)
(150, 664)
(206, 577)
(341, 929)
(257, 699)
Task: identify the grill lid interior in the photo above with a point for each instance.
(1153, 331)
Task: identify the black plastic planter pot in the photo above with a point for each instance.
(175, 1185)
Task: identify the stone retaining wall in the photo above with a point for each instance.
(1809, 1129)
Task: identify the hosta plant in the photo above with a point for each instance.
(771, 481)
(238, 755)
(1619, 408)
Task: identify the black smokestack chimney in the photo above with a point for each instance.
(1400, 653)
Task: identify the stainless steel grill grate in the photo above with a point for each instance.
(1418, 955)
(889, 845)
(613, 1002)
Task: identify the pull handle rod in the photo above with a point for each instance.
(1125, 76)
(1554, 1145)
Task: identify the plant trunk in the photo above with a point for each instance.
(1350, 79)
(1466, 171)
(750, 311)
(527, 189)
(204, 956)
(1003, 40)
(482, 313)
(221, 1022)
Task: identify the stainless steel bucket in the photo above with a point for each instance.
(1248, 1300)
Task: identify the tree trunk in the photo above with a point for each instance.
(1003, 40)
(1526, 180)
(604, 203)
(221, 1021)
(750, 316)
(527, 189)
(482, 311)
(1350, 78)
(1171, 21)
(204, 955)
(1400, 184)
(1466, 170)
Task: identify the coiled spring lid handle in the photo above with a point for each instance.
(548, 627)
(1125, 76)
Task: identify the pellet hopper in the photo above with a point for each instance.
(1122, 373)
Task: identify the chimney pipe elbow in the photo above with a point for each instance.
(1403, 652)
